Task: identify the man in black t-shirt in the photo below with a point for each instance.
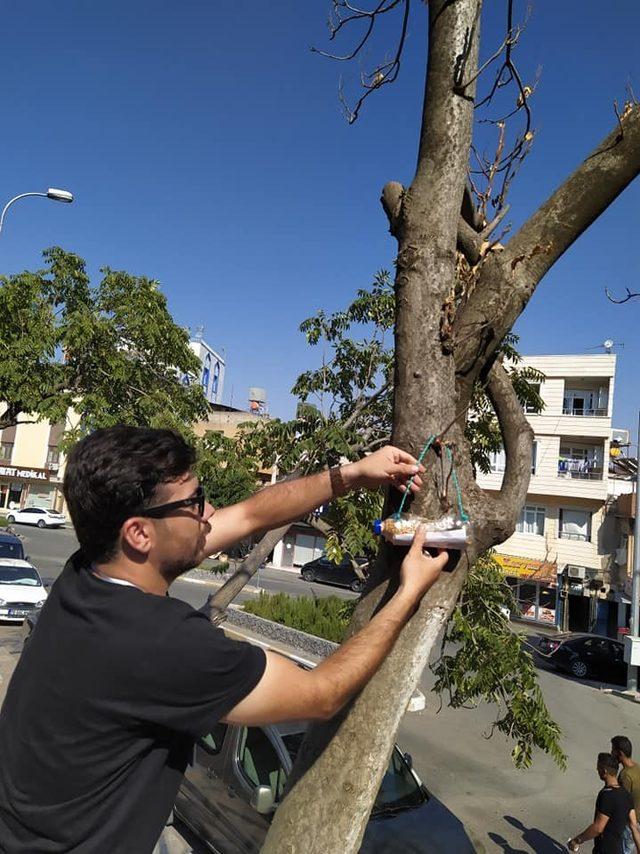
(614, 812)
(118, 679)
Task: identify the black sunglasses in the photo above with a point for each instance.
(197, 500)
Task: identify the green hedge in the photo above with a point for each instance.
(215, 566)
(3, 522)
(326, 618)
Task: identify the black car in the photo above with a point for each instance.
(586, 656)
(237, 777)
(342, 574)
(11, 547)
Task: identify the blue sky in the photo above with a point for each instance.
(206, 148)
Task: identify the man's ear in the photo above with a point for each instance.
(137, 533)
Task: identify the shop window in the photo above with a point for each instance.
(575, 525)
(531, 520)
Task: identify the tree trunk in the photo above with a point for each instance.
(444, 344)
(340, 766)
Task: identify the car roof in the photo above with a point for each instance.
(17, 564)
(9, 538)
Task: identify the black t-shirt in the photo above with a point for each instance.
(616, 803)
(101, 714)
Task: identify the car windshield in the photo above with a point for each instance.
(12, 550)
(398, 790)
(19, 575)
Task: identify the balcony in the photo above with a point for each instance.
(585, 412)
(579, 469)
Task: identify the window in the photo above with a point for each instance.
(260, 762)
(216, 378)
(212, 742)
(497, 460)
(6, 449)
(575, 525)
(528, 408)
(53, 458)
(531, 520)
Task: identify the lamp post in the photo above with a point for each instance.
(52, 193)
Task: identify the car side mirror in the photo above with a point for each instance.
(408, 758)
(262, 800)
(27, 558)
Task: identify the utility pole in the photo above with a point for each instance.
(634, 627)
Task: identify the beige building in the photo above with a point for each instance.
(557, 562)
(32, 464)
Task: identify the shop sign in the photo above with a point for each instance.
(24, 474)
(525, 567)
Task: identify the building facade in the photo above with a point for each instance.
(211, 372)
(559, 563)
(32, 464)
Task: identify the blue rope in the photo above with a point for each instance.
(464, 516)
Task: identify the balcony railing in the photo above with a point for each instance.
(580, 470)
(570, 535)
(584, 411)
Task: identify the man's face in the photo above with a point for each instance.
(616, 754)
(181, 533)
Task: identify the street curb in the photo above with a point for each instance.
(217, 584)
(633, 696)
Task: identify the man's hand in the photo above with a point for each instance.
(389, 465)
(419, 570)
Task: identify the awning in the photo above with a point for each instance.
(526, 567)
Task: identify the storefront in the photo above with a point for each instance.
(29, 487)
(534, 584)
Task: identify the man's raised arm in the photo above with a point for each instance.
(290, 500)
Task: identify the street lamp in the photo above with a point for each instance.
(52, 193)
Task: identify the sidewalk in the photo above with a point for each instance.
(10, 649)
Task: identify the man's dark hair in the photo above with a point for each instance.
(607, 763)
(114, 472)
(621, 743)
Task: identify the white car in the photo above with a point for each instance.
(21, 590)
(39, 516)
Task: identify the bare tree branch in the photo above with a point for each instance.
(508, 279)
(630, 295)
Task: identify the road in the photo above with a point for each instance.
(505, 810)
(49, 549)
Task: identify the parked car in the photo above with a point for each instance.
(11, 547)
(586, 656)
(238, 775)
(39, 516)
(342, 575)
(21, 590)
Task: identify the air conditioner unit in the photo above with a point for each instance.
(576, 571)
(622, 437)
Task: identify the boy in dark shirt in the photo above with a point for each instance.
(614, 812)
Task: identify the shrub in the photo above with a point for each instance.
(326, 618)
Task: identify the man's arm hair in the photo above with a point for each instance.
(270, 507)
(287, 692)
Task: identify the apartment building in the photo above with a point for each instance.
(31, 465)
(559, 561)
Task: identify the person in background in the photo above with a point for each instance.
(629, 778)
(613, 813)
